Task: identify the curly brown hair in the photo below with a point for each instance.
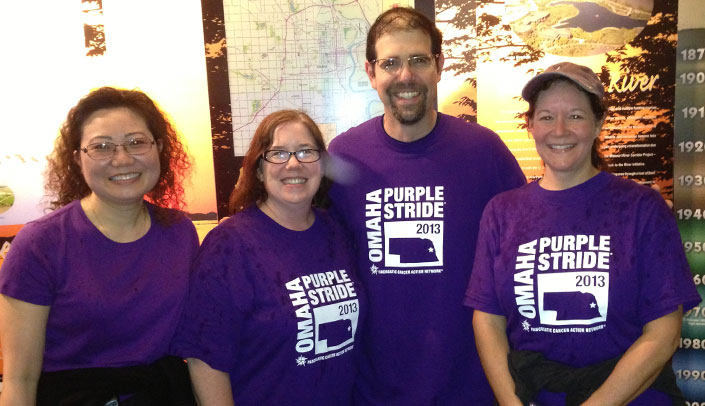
(249, 189)
(64, 179)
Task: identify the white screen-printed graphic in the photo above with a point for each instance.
(335, 325)
(569, 298)
(413, 243)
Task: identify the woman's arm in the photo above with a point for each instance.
(641, 363)
(22, 333)
(211, 386)
(493, 347)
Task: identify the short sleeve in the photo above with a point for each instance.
(509, 173)
(219, 298)
(665, 278)
(481, 293)
(27, 273)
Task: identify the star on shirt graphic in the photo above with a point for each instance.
(374, 269)
(301, 361)
(525, 324)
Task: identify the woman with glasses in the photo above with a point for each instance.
(274, 309)
(580, 280)
(91, 293)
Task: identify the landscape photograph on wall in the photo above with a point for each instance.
(574, 28)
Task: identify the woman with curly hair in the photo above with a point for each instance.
(91, 293)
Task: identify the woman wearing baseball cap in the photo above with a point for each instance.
(580, 280)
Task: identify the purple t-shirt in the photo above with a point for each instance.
(279, 310)
(112, 304)
(414, 209)
(579, 272)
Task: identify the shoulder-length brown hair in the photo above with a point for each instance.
(64, 180)
(249, 189)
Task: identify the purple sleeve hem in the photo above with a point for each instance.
(670, 307)
(193, 353)
(474, 303)
(18, 294)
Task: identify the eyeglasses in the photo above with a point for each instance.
(106, 149)
(278, 156)
(418, 63)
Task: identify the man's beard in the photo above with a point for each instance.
(412, 114)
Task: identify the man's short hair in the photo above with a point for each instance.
(402, 19)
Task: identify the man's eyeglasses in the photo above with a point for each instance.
(417, 63)
(106, 149)
(278, 156)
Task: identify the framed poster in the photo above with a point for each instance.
(496, 47)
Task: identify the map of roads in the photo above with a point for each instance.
(304, 55)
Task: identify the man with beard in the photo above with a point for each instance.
(423, 178)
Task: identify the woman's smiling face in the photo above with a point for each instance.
(122, 178)
(292, 183)
(564, 127)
